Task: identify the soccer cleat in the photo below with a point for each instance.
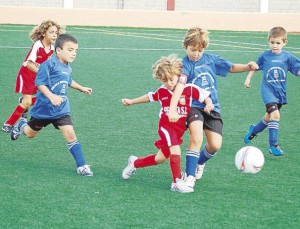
(190, 181)
(199, 171)
(129, 169)
(7, 128)
(85, 170)
(275, 150)
(24, 115)
(249, 136)
(181, 186)
(18, 129)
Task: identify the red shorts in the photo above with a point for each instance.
(170, 135)
(25, 82)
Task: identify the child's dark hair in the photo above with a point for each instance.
(62, 39)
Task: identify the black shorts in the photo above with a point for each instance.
(38, 124)
(270, 107)
(212, 121)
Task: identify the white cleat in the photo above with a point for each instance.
(199, 171)
(129, 169)
(181, 186)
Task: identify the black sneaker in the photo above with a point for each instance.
(7, 128)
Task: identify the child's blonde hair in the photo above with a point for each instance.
(196, 36)
(39, 31)
(278, 32)
(166, 66)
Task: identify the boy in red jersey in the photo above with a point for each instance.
(43, 36)
(168, 70)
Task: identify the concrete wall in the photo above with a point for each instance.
(151, 19)
(275, 6)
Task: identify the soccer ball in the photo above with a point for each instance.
(249, 159)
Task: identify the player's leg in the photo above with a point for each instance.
(195, 124)
(213, 131)
(178, 184)
(26, 101)
(28, 129)
(256, 129)
(273, 126)
(149, 160)
(66, 127)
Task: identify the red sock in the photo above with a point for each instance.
(175, 166)
(15, 115)
(33, 101)
(145, 161)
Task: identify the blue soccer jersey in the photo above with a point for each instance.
(204, 74)
(57, 77)
(275, 68)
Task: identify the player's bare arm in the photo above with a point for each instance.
(77, 86)
(173, 114)
(247, 82)
(142, 99)
(209, 106)
(236, 68)
(32, 66)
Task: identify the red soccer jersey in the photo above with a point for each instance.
(25, 78)
(171, 133)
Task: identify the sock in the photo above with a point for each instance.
(192, 158)
(145, 161)
(205, 156)
(260, 126)
(15, 115)
(273, 132)
(175, 166)
(76, 151)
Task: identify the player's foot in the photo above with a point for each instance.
(24, 115)
(249, 136)
(85, 170)
(276, 151)
(7, 128)
(199, 171)
(190, 181)
(17, 129)
(181, 186)
(129, 169)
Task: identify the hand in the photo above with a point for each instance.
(247, 83)
(56, 100)
(173, 116)
(87, 90)
(209, 107)
(253, 65)
(126, 102)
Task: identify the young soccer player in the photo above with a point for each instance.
(275, 64)
(202, 69)
(168, 70)
(43, 36)
(52, 104)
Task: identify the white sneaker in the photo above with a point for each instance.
(129, 169)
(199, 171)
(85, 170)
(190, 181)
(181, 186)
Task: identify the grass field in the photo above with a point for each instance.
(40, 189)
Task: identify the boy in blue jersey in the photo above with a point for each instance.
(275, 64)
(202, 69)
(52, 104)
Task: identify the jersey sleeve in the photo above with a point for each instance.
(199, 93)
(294, 65)
(222, 66)
(34, 51)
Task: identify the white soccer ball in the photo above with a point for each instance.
(249, 159)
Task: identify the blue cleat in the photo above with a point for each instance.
(18, 129)
(249, 136)
(275, 150)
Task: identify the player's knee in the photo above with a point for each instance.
(160, 159)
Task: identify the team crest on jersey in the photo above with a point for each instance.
(204, 81)
(182, 100)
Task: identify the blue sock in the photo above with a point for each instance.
(76, 150)
(205, 156)
(191, 162)
(260, 126)
(273, 132)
